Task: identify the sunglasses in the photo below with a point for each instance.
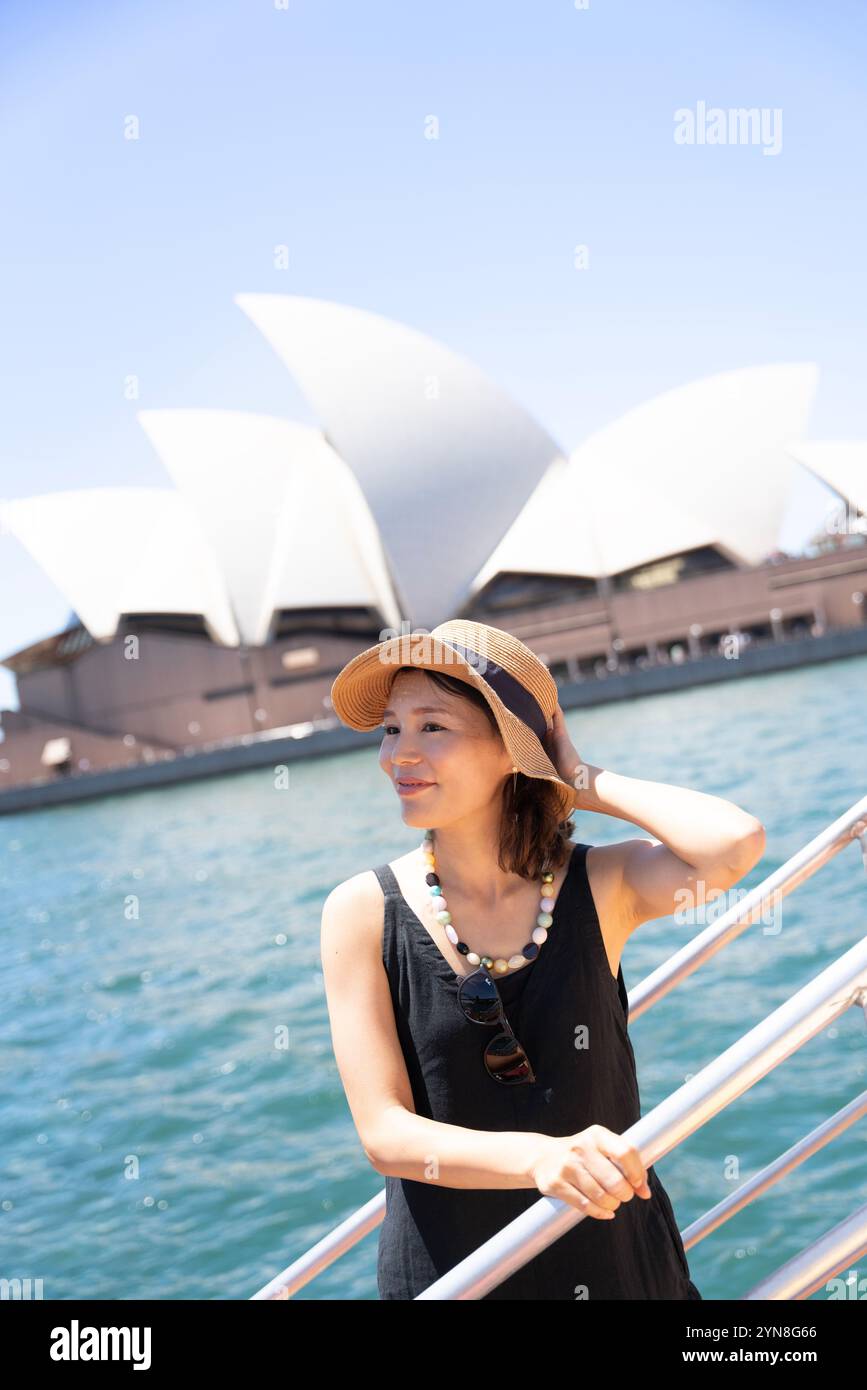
(505, 1059)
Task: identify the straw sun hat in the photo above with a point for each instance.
(519, 688)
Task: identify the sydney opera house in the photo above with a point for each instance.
(214, 612)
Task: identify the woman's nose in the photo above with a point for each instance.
(403, 750)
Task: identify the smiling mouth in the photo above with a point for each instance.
(409, 783)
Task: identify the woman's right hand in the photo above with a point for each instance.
(594, 1171)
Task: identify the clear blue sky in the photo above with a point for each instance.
(304, 126)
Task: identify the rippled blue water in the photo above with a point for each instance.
(159, 1141)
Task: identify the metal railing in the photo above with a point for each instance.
(809, 1270)
(759, 1051)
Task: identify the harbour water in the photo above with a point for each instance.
(173, 1123)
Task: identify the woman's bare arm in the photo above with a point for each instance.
(707, 842)
(398, 1142)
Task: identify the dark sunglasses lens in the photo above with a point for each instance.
(507, 1061)
(479, 998)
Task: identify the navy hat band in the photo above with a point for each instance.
(515, 696)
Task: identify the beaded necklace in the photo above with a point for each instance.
(444, 917)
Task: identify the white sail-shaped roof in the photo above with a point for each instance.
(704, 464)
(428, 482)
(445, 459)
(565, 529)
(842, 464)
(286, 519)
(114, 550)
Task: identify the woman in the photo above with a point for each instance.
(477, 1004)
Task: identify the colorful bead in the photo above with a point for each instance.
(544, 919)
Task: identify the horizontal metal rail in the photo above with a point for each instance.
(800, 1018)
(327, 1250)
(752, 907)
(811, 1269)
(851, 825)
(771, 1174)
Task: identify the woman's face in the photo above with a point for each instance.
(447, 743)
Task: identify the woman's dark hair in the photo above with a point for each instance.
(531, 831)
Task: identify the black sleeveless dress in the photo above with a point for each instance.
(582, 1078)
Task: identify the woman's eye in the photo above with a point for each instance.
(392, 728)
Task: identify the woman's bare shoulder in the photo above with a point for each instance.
(355, 906)
(605, 864)
(362, 889)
